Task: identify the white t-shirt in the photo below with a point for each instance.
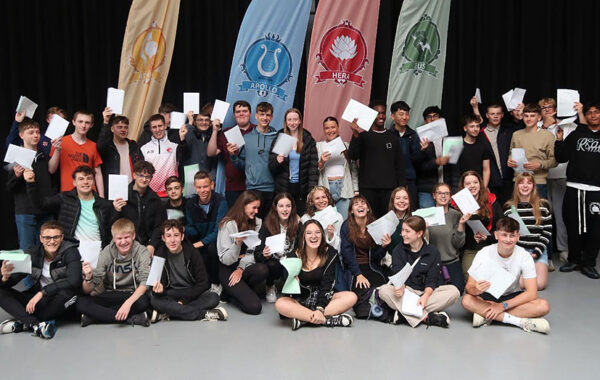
(334, 167)
(46, 278)
(517, 264)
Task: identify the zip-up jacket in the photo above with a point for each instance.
(427, 271)
(327, 280)
(308, 175)
(17, 186)
(142, 211)
(163, 155)
(194, 148)
(255, 153)
(410, 145)
(111, 160)
(200, 225)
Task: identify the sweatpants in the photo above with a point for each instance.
(441, 298)
(556, 194)
(379, 199)
(581, 214)
(48, 308)
(275, 271)
(191, 311)
(211, 262)
(243, 292)
(104, 306)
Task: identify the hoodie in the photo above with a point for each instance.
(122, 273)
(255, 153)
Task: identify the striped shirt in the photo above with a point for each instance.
(540, 234)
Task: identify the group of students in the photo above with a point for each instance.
(381, 170)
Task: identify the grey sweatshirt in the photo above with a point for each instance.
(229, 252)
(124, 273)
(446, 238)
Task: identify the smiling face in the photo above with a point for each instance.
(251, 209)
(82, 123)
(548, 110)
(284, 209)
(360, 209)
(120, 130)
(203, 188)
(312, 236)
(442, 196)
(409, 235)
(263, 118)
(472, 183)
(157, 128)
(173, 238)
(124, 242)
(401, 201)
(531, 119)
(51, 240)
(401, 117)
(380, 119)
(506, 240)
(525, 187)
(292, 120)
(472, 129)
(202, 122)
(84, 183)
(241, 115)
(593, 117)
(320, 200)
(331, 129)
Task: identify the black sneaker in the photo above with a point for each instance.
(216, 314)
(140, 319)
(86, 320)
(296, 324)
(45, 330)
(340, 320)
(438, 319)
(158, 316)
(398, 318)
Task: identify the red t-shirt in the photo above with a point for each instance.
(235, 180)
(73, 155)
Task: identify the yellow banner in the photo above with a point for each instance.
(146, 58)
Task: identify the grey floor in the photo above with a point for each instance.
(264, 347)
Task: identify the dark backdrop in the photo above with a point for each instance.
(67, 52)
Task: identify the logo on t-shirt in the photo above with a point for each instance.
(388, 145)
(586, 144)
(80, 157)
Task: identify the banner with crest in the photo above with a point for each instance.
(340, 62)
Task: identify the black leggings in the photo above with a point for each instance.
(362, 308)
(48, 308)
(275, 271)
(243, 292)
(211, 262)
(104, 306)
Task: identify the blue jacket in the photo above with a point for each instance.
(203, 226)
(410, 146)
(349, 256)
(255, 153)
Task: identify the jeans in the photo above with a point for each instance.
(425, 200)
(341, 204)
(28, 228)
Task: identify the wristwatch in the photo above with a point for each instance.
(505, 305)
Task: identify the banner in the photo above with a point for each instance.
(340, 62)
(267, 56)
(146, 58)
(417, 71)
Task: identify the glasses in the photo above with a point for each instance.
(443, 193)
(546, 108)
(55, 237)
(434, 116)
(143, 176)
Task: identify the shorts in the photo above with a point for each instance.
(489, 297)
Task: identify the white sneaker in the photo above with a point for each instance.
(540, 325)
(271, 295)
(478, 320)
(216, 288)
(216, 314)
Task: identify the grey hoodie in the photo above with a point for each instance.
(124, 273)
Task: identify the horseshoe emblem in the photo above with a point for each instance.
(262, 72)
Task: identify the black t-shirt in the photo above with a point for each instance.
(473, 155)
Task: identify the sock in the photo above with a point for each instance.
(511, 320)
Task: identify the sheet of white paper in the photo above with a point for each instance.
(335, 147)
(400, 278)
(356, 110)
(220, 109)
(118, 187)
(568, 120)
(465, 201)
(523, 230)
(244, 234)
(57, 127)
(499, 278)
(26, 106)
(478, 95)
(433, 131)
(234, 136)
(565, 101)
(326, 217)
(434, 216)
(156, 270)
(385, 225)
(189, 171)
(21, 266)
(191, 102)
(178, 119)
(175, 214)
(89, 251)
(507, 97)
(276, 243)
(19, 155)
(518, 154)
(409, 304)
(476, 226)
(517, 97)
(284, 144)
(114, 100)
(252, 239)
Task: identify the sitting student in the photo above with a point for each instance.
(115, 291)
(281, 219)
(195, 142)
(81, 212)
(476, 155)
(317, 303)
(182, 291)
(337, 173)
(361, 255)
(516, 307)
(238, 272)
(27, 217)
(55, 278)
(449, 238)
(317, 200)
(535, 213)
(423, 281)
(203, 213)
(400, 203)
(142, 205)
(174, 208)
(489, 212)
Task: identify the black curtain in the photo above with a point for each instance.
(67, 53)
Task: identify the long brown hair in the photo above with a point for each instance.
(484, 208)
(272, 219)
(237, 213)
(360, 238)
(286, 129)
(393, 195)
(534, 199)
(321, 250)
(310, 205)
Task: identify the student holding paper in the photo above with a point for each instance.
(515, 307)
(488, 214)
(297, 173)
(401, 204)
(476, 154)
(238, 271)
(195, 143)
(317, 200)
(449, 238)
(336, 171)
(183, 289)
(164, 110)
(423, 280)
(317, 304)
(255, 153)
(361, 256)
(28, 218)
(115, 291)
(281, 219)
(44, 144)
(581, 205)
(204, 211)
(55, 279)
(536, 215)
(381, 161)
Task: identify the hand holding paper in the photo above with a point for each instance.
(356, 110)
(219, 110)
(26, 106)
(565, 102)
(465, 201)
(234, 136)
(191, 102)
(284, 144)
(114, 100)
(433, 131)
(57, 127)
(156, 270)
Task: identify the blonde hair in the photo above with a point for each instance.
(534, 199)
(122, 226)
